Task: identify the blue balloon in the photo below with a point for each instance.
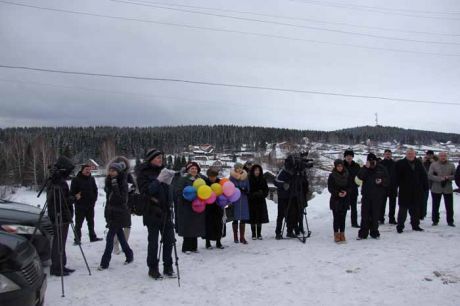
(189, 193)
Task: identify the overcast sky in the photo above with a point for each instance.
(429, 29)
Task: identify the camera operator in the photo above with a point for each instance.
(60, 212)
(289, 198)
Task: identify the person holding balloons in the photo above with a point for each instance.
(214, 213)
(190, 207)
(239, 177)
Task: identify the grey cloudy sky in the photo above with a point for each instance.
(75, 42)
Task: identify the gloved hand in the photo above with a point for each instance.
(286, 186)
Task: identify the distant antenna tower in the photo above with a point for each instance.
(376, 119)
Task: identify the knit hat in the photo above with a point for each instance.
(348, 152)
(371, 157)
(119, 167)
(338, 162)
(212, 171)
(238, 166)
(430, 152)
(387, 151)
(152, 153)
(192, 164)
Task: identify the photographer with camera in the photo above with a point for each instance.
(292, 184)
(60, 211)
(441, 174)
(375, 182)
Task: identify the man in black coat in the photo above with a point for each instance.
(84, 189)
(412, 181)
(289, 199)
(353, 168)
(390, 166)
(427, 161)
(375, 181)
(157, 213)
(457, 175)
(60, 211)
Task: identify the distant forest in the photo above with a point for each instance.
(26, 153)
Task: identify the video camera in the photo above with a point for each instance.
(61, 169)
(298, 162)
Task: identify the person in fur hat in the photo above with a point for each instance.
(132, 188)
(339, 203)
(117, 214)
(239, 177)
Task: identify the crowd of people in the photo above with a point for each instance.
(409, 181)
(166, 211)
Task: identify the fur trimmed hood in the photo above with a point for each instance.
(120, 159)
(240, 177)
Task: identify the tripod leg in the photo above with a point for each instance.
(58, 226)
(67, 211)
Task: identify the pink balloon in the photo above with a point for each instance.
(229, 189)
(211, 199)
(235, 196)
(198, 206)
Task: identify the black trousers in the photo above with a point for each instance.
(55, 252)
(423, 209)
(449, 204)
(391, 207)
(167, 235)
(190, 244)
(256, 230)
(414, 216)
(354, 207)
(339, 217)
(282, 205)
(80, 215)
(370, 212)
(115, 231)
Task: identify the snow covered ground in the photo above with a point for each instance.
(395, 270)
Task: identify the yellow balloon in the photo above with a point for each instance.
(358, 181)
(198, 183)
(204, 192)
(217, 188)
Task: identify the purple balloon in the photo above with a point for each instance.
(222, 201)
(235, 196)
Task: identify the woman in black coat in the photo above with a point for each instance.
(257, 205)
(214, 214)
(117, 214)
(338, 186)
(191, 224)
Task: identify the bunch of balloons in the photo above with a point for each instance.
(201, 194)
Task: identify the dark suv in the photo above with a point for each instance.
(21, 219)
(22, 280)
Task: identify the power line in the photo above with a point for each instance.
(184, 81)
(368, 9)
(305, 19)
(287, 24)
(229, 31)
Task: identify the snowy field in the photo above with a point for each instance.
(399, 269)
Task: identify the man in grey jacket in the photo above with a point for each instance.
(441, 174)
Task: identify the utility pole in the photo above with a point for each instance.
(376, 119)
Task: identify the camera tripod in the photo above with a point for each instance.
(59, 201)
(176, 257)
(296, 210)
